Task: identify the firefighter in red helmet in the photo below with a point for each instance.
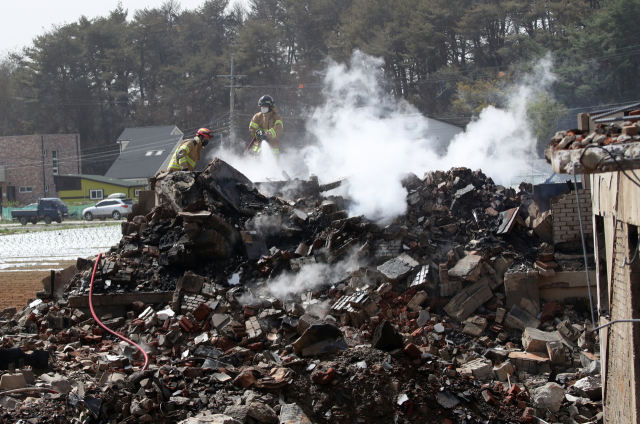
(188, 153)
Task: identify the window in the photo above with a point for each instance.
(54, 156)
(96, 194)
(46, 188)
(159, 152)
(136, 192)
(149, 153)
(26, 189)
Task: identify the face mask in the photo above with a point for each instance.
(264, 109)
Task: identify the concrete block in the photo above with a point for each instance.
(474, 326)
(534, 340)
(12, 381)
(533, 363)
(519, 319)
(550, 396)
(191, 282)
(543, 228)
(397, 268)
(480, 368)
(417, 300)
(519, 285)
(467, 268)
(503, 370)
(468, 300)
(218, 321)
(567, 330)
(556, 352)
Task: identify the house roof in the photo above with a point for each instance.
(146, 150)
(101, 179)
(606, 112)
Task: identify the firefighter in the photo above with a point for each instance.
(269, 121)
(188, 153)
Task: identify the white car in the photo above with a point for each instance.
(108, 208)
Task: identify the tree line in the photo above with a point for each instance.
(449, 58)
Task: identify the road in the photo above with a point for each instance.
(42, 225)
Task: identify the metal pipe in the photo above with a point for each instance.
(614, 322)
(584, 244)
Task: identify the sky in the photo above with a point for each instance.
(22, 20)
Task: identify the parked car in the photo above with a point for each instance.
(120, 196)
(108, 208)
(48, 209)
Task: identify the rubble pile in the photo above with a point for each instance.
(606, 148)
(282, 308)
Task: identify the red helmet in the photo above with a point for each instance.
(205, 133)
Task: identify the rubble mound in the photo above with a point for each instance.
(260, 308)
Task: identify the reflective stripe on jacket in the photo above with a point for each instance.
(186, 155)
(270, 122)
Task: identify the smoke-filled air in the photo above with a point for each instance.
(363, 133)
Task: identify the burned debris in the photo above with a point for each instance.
(282, 308)
(612, 147)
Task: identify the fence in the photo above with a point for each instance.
(75, 211)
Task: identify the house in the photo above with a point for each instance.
(589, 121)
(29, 163)
(144, 152)
(442, 132)
(85, 188)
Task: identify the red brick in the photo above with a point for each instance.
(413, 351)
(202, 311)
(488, 397)
(324, 376)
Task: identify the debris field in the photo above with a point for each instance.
(282, 308)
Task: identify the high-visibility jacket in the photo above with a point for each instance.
(186, 155)
(271, 123)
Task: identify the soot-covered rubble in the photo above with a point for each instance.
(281, 308)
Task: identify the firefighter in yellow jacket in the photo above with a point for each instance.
(269, 121)
(188, 153)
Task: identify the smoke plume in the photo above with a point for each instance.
(364, 134)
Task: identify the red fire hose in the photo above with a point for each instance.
(104, 327)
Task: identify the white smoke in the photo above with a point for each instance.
(313, 276)
(378, 143)
(364, 134)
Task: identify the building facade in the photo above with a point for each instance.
(616, 219)
(29, 163)
(84, 189)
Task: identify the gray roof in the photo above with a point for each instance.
(607, 112)
(146, 151)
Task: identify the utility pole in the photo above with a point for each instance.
(232, 88)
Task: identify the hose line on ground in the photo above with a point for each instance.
(104, 327)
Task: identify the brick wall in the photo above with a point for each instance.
(566, 224)
(26, 166)
(622, 359)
